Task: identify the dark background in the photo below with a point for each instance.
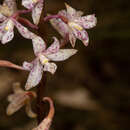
(91, 90)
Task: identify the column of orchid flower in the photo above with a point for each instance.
(69, 23)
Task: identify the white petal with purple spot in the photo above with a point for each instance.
(28, 3)
(35, 75)
(11, 4)
(71, 12)
(87, 22)
(60, 26)
(54, 47)
(38, 45)
(50, 67)
(62, 54)
(72, 39)
(23, 30)
(36, 12)
(82, 35)
(17, 103)
(7, 33)
(27, 66)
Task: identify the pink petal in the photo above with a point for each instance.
(79, 13)
(17, 103)
(8, 35)
(82, 35)
(54, 47)
(72, 39)
(17, 90)
(60, 26)
(27, 66)
(11, 4)
(11, 97)
(36, 12)
(23, 30)
(35, 75)
(29, 111)
(87, 22)
(62, 54)
(50, 67)
(38, 45)
(70, 11)
(2, 28)
(63, 13)
(76, 13)
(28, 3)
(19, 99)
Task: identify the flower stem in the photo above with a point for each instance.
(49, 17)
(15, 15)
(40, 94)
(4, 63)
(41, 107)
(27, 22)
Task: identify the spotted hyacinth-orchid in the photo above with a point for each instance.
(36, 6)
(42, 61)
(46, 123)
(71, 23)
(8, 19)
(19, 99)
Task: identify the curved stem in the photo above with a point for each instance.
(27, 22)
(21, 12)
(41, 109)
(52, 110)
(40, 94)
(4, 63)
(65, 20)
(49, 17)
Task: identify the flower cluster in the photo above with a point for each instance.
(71, 25)
(9, 16)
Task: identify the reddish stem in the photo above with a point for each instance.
(27, 22)
(52, 110)
(46, 123)
(41, 107)
(65, 20)
(47, 18)
(21, 12)
(40, 94)
(4, 63)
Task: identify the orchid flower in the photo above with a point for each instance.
(43, 58)
(73, 24)
(8, 21)
(45, 124)
(36, 6)
(19, 99)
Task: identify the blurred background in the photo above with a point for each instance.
(90, 90)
